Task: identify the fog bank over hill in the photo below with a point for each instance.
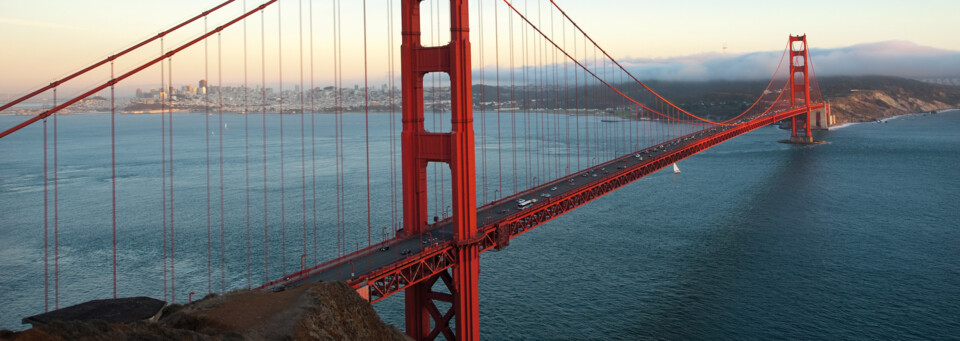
(888, 58)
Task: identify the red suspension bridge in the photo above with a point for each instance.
(391, 188)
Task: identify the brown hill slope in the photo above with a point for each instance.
(859, 99)
(321, 311)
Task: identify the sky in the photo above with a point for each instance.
(46, 39)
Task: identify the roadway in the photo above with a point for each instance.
(353, 266)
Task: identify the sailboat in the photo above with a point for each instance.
(675, 169)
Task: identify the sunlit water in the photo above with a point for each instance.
(857, 238)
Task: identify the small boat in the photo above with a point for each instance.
(675, 169)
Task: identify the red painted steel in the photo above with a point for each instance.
(110, 59)
(136, 70)
(496, 235)
(455, 148)
(451, 261)
(456, 262)
(799, 66)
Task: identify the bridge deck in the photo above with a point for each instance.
(384, 269)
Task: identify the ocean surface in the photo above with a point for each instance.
(857, 238)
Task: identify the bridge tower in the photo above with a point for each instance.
(800, 89)
(455, 148)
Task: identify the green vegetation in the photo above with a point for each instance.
(719, 100)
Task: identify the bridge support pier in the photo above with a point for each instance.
(455, 148)
(800, 129)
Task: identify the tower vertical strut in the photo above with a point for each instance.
(799, 89)
(455, 148)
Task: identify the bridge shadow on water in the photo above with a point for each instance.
(737, 275)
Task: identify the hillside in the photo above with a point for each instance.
(320, 311)
(859, 99)
(853, 99)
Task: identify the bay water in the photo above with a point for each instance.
(857, 238)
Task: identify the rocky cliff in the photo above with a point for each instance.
(321, 311)
(860, 99)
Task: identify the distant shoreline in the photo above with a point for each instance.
(888, 118)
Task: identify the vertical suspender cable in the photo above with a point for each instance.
(576, 97)
(366, 118)
(223, 256)
(206, 119)
(56, 209)
(524, 105)
(336, 116)
(443, 172)
(483, 121)
(341, 238)
(313, 142)
(586, 102)
(566, 94)
(343, 179)
(496, 44)
(597, 111)
(530, 93)
(263, 114)
(434, 107)
(246, 144)
(556, 95)
(163, 155)
(113, 175)
(338, 79)
(283, 201)
(393, 119)
(532, 85)
(303, 147)
(539, 96)
(513, 109)
(173, 240)
(542, 105)
(336, 127)
(46, 226)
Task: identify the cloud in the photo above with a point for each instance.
(31, 23)
(889, 58)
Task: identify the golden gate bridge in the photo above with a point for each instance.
(561, 123)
